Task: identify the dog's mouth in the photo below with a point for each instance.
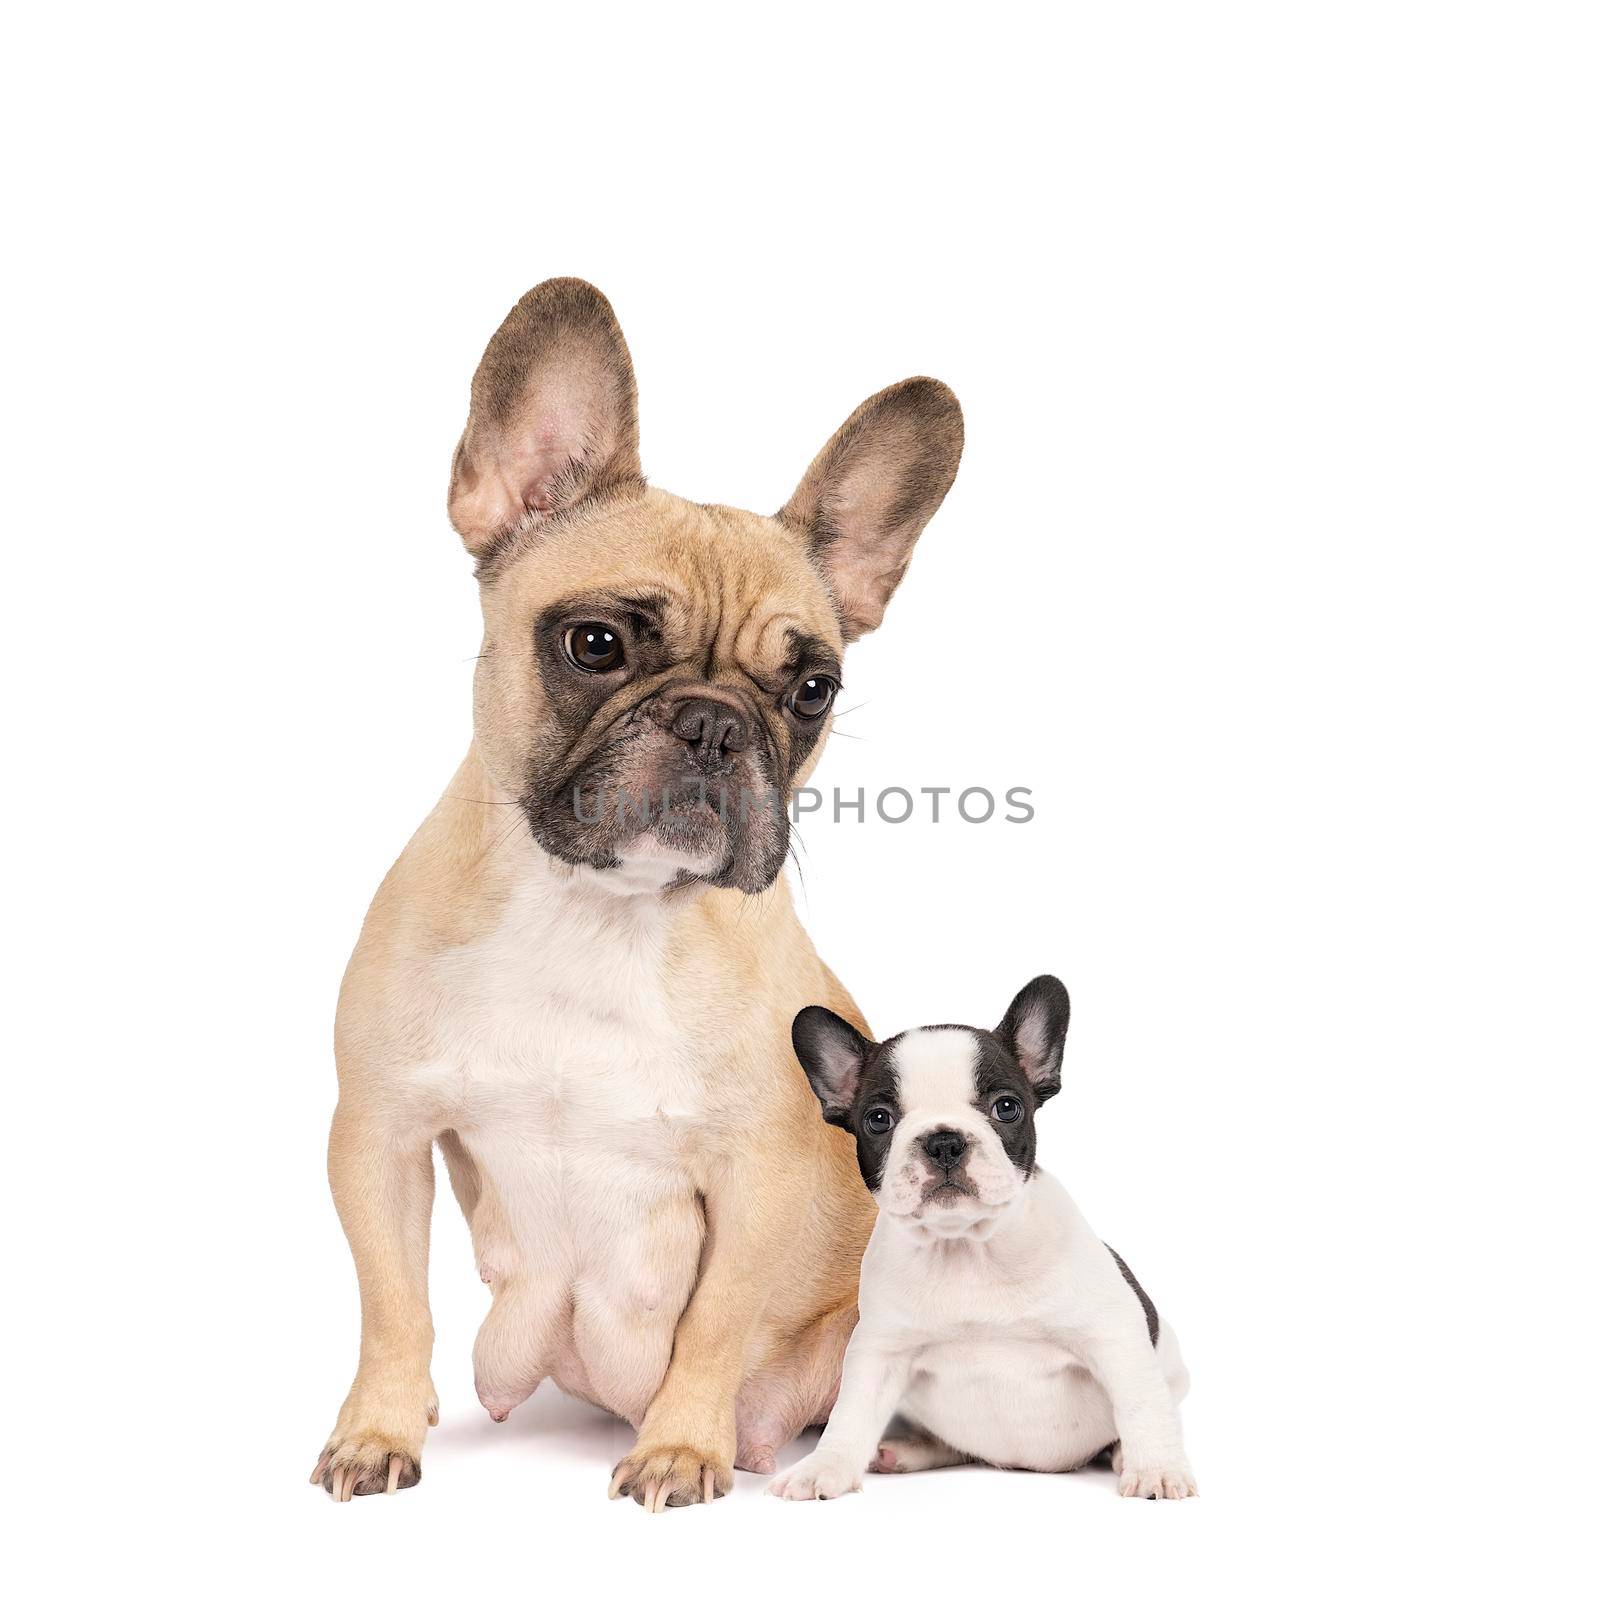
(692, 820)
(732, 822)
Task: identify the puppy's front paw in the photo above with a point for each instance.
(660, 1478)
(1157, 1480)
(818, 1477)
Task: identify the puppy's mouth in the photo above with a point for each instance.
(948, 1189)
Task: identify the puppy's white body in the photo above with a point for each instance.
(996, 1333)
(994, 1322)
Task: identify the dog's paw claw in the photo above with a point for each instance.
(357, 1468)
(376, 1446)
(659, 1479)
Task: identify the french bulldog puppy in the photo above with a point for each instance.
(995, 1327)
(579, 978)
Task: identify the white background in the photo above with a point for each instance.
(1270, 569)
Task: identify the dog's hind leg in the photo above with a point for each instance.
(793, 1390)
(464, 1179)
(768, 1415)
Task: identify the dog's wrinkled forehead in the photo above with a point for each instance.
(551, 449)
(725, 589)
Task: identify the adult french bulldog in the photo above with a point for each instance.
(578, 979)
(993, 1321)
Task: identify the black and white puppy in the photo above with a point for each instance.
(995, 1326)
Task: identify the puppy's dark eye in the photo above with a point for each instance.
(1006, 1109)
(878, 1121)
(594, 647)
(812, 698)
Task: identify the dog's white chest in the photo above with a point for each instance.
(569, 1082)
(559, 1020)
(568, 1079)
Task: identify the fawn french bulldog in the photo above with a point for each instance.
(995, 1326)
(578, 979)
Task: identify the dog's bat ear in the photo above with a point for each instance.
(554, 415)
(872, 490)
(1035, 1032)
(833, 1054)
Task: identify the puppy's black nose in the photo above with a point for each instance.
(945, 1147)
(713, 725)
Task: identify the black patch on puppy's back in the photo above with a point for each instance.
(1151, 1320)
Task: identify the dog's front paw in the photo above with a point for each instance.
(658, 1478)
(818, 1477)
(1157, 1480)
(376, 1447)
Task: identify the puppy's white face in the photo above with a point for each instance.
(947, 1165)
(942, 1117)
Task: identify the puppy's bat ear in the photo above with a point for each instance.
(833, 1054)
(554, 416)
(1035, 1032)
(872, 490)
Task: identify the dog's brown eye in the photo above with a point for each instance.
(594, 647)
(879, 1120)
(1006, 1109)
(813, 697)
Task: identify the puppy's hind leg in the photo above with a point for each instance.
(1171, 1359)
(906, 1448)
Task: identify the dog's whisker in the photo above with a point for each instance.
(516, 822)
(800, 873)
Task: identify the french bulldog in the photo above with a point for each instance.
(995, 1327)
(578, 979)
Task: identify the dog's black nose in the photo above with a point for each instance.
(945, 1147)
(713, 725)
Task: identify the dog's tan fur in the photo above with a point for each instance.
(714, 1314)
